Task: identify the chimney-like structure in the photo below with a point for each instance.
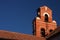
(43, 24)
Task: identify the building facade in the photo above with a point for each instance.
(55, 35)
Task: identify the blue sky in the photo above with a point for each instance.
(17, 15)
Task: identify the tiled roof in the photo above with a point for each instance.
(19, 36)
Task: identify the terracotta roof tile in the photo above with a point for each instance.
(19, 36)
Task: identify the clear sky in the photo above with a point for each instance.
(17, 15)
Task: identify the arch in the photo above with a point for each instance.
(46, 18)
(45, 13)
(43, 32)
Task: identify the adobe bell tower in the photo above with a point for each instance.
(43, 24)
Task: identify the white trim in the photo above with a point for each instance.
(37, 18)
(54, 21)
(45, 8)
(45, 13)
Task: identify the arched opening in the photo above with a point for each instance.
(43, 32)
(46, 18)
(50, 30)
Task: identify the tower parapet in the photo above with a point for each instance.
(43, 24)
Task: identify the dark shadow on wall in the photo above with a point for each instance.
(55, 37)
(6, 39)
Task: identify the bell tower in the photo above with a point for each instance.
(43, 24)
